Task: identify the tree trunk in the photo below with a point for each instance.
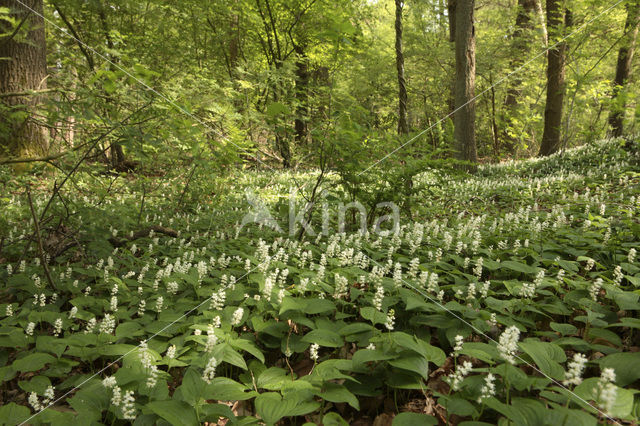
(23, 67)
(543, 25)
(524, 23)
(451, 14)
(302, 95)
(403, 125)
(464, 118)
(623, 67)
(555, 79)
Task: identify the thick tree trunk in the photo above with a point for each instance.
(524, 23)
(403, 125)
(464, 118)
(23, 67)
(623, 67)
(555, 79)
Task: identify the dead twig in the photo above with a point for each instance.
(36, 225)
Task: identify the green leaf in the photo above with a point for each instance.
(174, 411)
(272, 378)
(224, 389)
(626, 365)
(32, 362)
(271, 407)
(333, 419)
(247, 346)
(546, 356)
(192, 387)
(333, 392)
(564, 329)
(519, 267)
(13, 414)
(276, 108)
(324, 337)
(429, 352)
(409, 360)
(413, 419)
(212, 412)
(364, 356)
(623, 404)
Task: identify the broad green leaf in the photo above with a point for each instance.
(174, 411)
(414, 419)
(409, 360)
(324, 337)
(546, 356)
(337, 393)
(32, 362)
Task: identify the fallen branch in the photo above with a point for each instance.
(116, 242)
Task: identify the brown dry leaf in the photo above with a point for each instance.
(383, 419)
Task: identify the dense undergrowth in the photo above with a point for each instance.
(509, 297)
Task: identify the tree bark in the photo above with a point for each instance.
(555, 78)
(623, 67)
(302, 95)
(464, 118)
(403, 125)
(524, 23)
(451, 15)
(23, 67)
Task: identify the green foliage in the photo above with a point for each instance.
(290, 346)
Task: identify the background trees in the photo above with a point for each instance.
(251, 81)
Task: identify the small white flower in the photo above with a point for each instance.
(171, 352)
(108, 324)
(371, 347)
(237, 316)
(606, 391)
(458, 345)
(113, 305)
(212, 339)
(631, 257)
(455, 379)
(109, 382)
(73, 312)
(573, 376)
(29, 329)
(618, 275)
(116, 397)
(9, 310)
(390, 322)
(57, 327)
(594, 288)
(313, 351)
(34, 402)
(378, 297)
(210, 370)
(49, 395)
(128, 406)
(91, 324)
(488, 389)
(159, 303)
(508, 343)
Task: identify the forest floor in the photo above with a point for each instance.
(510, 295)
